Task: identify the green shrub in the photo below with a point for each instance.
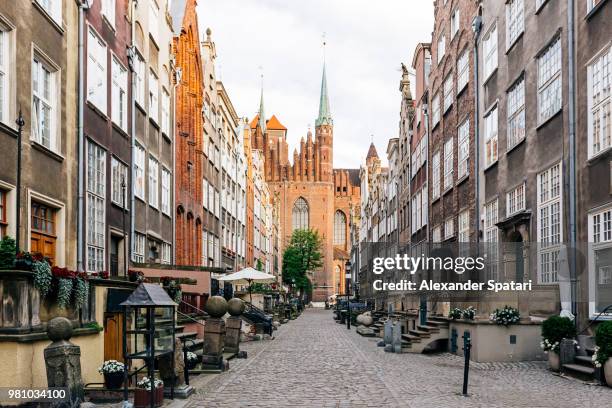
(603, 340)
(7, 253)
(555, 329)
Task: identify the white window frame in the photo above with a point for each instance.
(549, 223)
(435, 110)
(7, 35)
(515, 21)
(436, 234)
(108, 8)
(139, 72)
(491, 236)
(153, 96)
(448, 92)
(53, 8)
(463, 149)
(153, 186)
(491, 136)
(43, 134)
(455, 22)
(139, 172)
(165, 112)
(599, 102)
(96, 208)
(97, 60)
(600, 239)
(435, 175)
(140, 245)
(119, 104)
(515, 110)
(463, 227)
(550, 88)
(515, 200)
(463, 70)
(449, 228)
(166, 183)
(441, 48)
(448, 164)
(166, 253)
(490, 58)
(118, 169)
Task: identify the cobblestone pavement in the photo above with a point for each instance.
(315, 362)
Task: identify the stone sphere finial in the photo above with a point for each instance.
(208, 32)
(59, 328)
(235, 306)
(216, 306)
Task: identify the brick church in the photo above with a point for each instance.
(311, 192)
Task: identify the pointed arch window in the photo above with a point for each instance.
(300, 214)
(339, 228)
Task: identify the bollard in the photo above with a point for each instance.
(467, 346)
(453, 340)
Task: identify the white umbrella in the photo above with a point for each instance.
(247, 276)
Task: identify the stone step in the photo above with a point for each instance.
(428, 328)
(186, 335)
(412, 339)
(584, 360)
(419, 333)
(581, 369)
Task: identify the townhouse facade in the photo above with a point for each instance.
(38, 116)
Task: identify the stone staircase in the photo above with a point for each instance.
(582, 367)
(421, 336)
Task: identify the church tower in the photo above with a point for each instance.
(324, 135)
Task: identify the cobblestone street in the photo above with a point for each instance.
(315, 362)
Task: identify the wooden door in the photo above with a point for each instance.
(113, 336)
(43, 244)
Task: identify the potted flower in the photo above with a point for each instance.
(192, 360)
(555, 329)
(454, 314)
(142, 394)
(113, 374)
(135, 276)
(506, 316)
(603, 350)
(469, 313)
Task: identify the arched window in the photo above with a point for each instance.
(300, 214)
(339, 228)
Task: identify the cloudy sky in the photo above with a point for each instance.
(366, 41)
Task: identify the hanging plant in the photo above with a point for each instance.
(64, 292)
(42, 277)
(81, 291)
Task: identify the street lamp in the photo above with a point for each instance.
(347, 271)
(20, 122)
(125, 256)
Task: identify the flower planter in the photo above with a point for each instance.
(554, 363)
(142, 397)
(607, 367)
(191, 364)
(113, 381)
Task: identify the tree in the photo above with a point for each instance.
(302, 255)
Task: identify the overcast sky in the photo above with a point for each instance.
(366, 41)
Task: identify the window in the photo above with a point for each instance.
(464, 226)
(153, 186)
(515, 200)
(165, 118)
(449, 228)
(435, 175)
(300, 214)
(139, 71)
(549, 81)
(5, 73)
(463, 71)
(424, 205)
(463, 165)
(435, 110)
(119, 94)
(140, 243)
(153, 96)
(448, 92)
(549, 224)
(515, 21)
(108, 10)
(44, 109)
(491, 237)
(339, 228)
(448, 164)
(516, 113)
(96, 207)
(436, 234)
(592, 3)
(599, 102)
(139, 171)
(489, 45)
(119, 177)
(441, 48)
(153, 18)
(96, 71)
(455, 20)
(3, 217)
(53, 9)
(490, 136)
(165, 191)
(166, 250)
(600, 259)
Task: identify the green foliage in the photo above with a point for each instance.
(302, 255)
(7, 252)
(42, 277)
(454, 313)
(81, 292)
(603, 340)
(94, 325)
(555, 329)
(506, 316)
(259, 265)
(64, 292)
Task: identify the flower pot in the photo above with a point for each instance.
(132, 277)
(607, 367)
(191, 364)
(142, 397)
(113, 381)
(553, 361)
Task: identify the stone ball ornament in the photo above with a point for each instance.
(59, 328)
(367, 320)
(235, 306)
(216, 306)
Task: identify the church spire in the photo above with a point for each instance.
(325, 117)
(262, 114)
